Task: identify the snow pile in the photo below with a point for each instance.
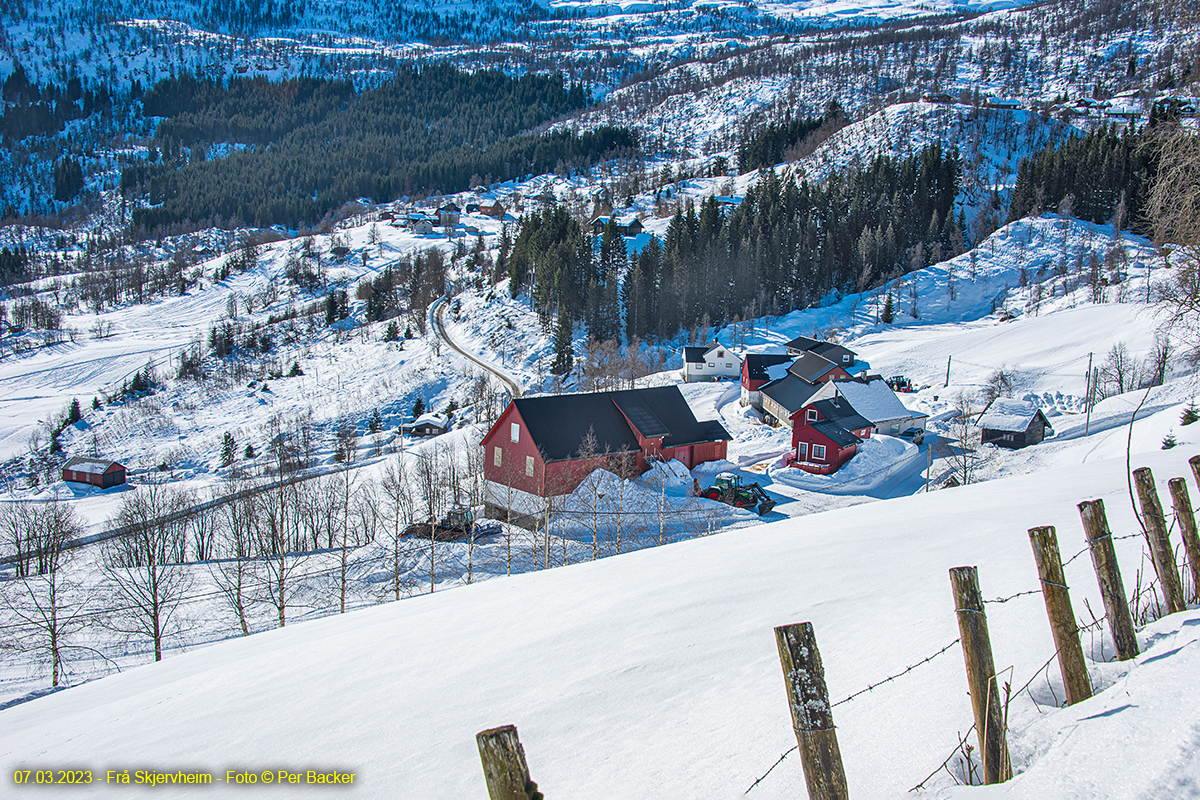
(877, 461)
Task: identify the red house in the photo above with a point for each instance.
(826, 434)
(543, 447)
(95, 471)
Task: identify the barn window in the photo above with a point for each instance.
(514, 432)
(529, 466)
(818, 452)
(497, 456)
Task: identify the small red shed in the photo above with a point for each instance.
(95, 471)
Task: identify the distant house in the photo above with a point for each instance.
(711, 362)
(1002, 103)
(419, 223)
(427, 425)
(541, 448)
(625, 227)
(836, 353)
(1013, 424)
(491, 208)
(876, 401)
(448, 215)
(386, 215)
(937, 97)
(826, 434)
(95, 471)
(759, 369)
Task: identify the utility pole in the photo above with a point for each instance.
(947, 371)
(1087, 398)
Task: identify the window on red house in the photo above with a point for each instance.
(811, 416)
(818, 452)
(497, 457)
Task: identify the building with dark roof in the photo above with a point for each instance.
(543, 447)
(783, 399)
(815, 368)
(96, 471)
(836, 353)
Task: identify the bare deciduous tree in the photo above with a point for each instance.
(235, 572)
(1174, 211)
(143, 567)
(45, 607)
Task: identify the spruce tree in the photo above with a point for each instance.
(249, 451)
(73, 413)
(889, 310)
(1190, 414)
(375, 423)
(564, 352)
(228, 449)
(418, 408)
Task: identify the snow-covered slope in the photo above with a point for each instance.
(655, 674)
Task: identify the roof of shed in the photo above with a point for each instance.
(1011, 416)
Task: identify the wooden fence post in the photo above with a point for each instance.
(1108, 575)
(1186, 518)
(1160, 541)
(981, 675)
(1194, 461)
(504, 766)
(1062, 616)
(812, 716)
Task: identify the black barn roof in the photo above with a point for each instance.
(560, 424)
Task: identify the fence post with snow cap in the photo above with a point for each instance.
(1161, 552)
(1062, 616)
(986, 702)
(812, 715)
(1186, 517)
(1108, 575)
(504, 766)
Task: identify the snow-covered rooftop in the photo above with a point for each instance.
(875, 400)
(1009, 415)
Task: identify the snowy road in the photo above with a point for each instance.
(439, 327)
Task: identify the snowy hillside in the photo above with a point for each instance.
(658, 670)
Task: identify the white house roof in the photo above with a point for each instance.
(1010, 416)
(875, 400)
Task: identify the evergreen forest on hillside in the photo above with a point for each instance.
(309, 145)
(1102, 177)
(786, 246)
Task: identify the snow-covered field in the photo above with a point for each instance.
(656, 674)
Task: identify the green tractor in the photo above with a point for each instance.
(728, 488)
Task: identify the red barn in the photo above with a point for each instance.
(759, 369)
(543, 447)
(95, 471)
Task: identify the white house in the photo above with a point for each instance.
(712, 362)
